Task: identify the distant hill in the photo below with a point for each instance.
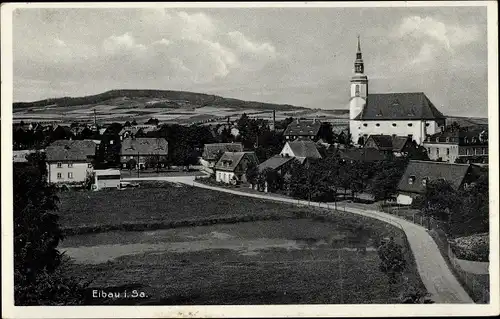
(171, 99)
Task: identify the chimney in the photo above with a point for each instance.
(274, 120)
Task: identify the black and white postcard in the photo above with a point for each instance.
(265, 159)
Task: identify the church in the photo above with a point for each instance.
(395, 114)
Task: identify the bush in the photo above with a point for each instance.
(392, 259)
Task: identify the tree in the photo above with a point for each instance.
(385, 183)
(89, 180)
(392, 261)
(416, 152)
(252, 173)
(272, 179)
(134, 122)
(439, 200)
(38, 279)
(326, 132)
(131, 164)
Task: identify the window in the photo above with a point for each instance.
(410, 124)
(437, 151)
(411, 180)
(357, 90)
(410, 136)
(427, 124)
(365, 125)
(394, 124)
(70, 175)
(447, 139)
(424, 181)
(70, 165)
(59, 175)
(468, 151)
(448, 151)
(59, 165)
(429, 150)
(377, 125)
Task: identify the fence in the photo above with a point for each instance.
(477, 285)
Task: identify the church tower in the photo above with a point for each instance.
(358, 94)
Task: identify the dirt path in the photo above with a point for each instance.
(436, 276)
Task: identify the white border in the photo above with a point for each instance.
(9, 311)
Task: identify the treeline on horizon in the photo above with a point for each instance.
(200, 99)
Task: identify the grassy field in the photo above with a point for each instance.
(224, 276)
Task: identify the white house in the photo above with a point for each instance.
(69, 161)
(106, 178)
(232, 166)
(400, 114)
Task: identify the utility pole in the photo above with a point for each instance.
(138, 165)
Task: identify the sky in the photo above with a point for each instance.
(298, 56)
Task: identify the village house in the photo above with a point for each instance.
(212, 153)
(389, 144)
(145, 151)
(20, 156)
(462, 145)
(303, 129)
(302, 150)
(69, 161)
(419, 173)
(232, 166)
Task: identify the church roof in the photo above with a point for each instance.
(399, 106)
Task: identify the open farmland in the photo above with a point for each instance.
(299, 258)
(185, 108)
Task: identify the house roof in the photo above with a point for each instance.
(461, 137)
(304, 148)
(109, 171)
(210, 150)
(453, 173)
(303, 128)
(70, 150)
(229, 160)
(274, 162)
(144, 146)
(20, 156)
(399, 106)
(362, 154)
(389, 142)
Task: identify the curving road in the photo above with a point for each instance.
(436, 276)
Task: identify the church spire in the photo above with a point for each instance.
(358, 64)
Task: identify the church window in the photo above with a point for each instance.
(377, 125)
(448, 151)
(357, 90)
(365, 125)
(410, 125)
(394, 124)
(437, 151)
(429, 150)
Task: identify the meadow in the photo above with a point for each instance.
(323, 269)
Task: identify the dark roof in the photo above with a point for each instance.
(460, 137)
(362, 154)
(399, 106)
(70, 150)
(210, 150)
(303, 128)
(274, 162)
(144, 146)
(388, 142)
(230, 160)
(453, 173)
(305, 149)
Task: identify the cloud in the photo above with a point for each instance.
(122, 44)
(59, 42)
(449, 36)
(245, 45)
